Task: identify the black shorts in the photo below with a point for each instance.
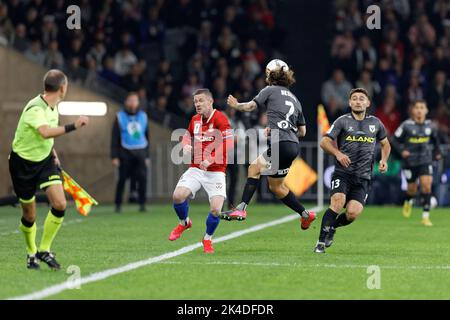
(412, 173)
(354, 188)
(279, 166)
(27, 175)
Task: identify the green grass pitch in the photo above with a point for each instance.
(273, 263)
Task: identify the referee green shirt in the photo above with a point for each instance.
(28, 142)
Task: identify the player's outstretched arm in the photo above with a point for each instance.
(385, 152)
(241, 106)
(327, 145)
(46, 132)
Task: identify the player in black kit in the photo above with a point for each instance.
(416, 140)
(286, 126)
(356, 134)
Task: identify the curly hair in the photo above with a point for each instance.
(280, 77)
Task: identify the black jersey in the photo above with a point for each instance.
(284, 111)
(357, 140)
(418, 139)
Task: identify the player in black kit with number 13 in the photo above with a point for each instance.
(356, 134)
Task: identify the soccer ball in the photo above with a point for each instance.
(276, 64)
(433, 202)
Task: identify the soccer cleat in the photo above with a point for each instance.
(178, 230)
(426, 222)
(234, 214)
(207, 246)
(32, 262)
(305, 223)
(49, 259)
(320, 247)
(330, 237)
(407, 208)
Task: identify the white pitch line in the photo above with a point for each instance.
(64, 224)
(58, 288)
(300, 265)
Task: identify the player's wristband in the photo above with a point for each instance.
(70, 127)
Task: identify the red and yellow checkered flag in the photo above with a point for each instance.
(83, 200)
(322, 119)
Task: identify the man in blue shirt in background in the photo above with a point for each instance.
(130, 148)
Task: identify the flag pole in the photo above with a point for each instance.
(320, 189)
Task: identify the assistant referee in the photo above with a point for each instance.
(33, 163)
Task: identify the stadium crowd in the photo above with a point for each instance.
(407, 59)
(162, 49)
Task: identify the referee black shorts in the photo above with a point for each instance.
(27, 175)
(287, 152)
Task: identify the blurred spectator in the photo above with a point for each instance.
(5, 22)
(389, 115)
(422, 32)
(338, 88)
(108, 72)
(365, 81)
(19, 40)
(158, 110)
(440, 91)
(442, 119)
(186, 107)
(91, 80)
(385, 74)
(74, 71)
(123, 61)
(365, 55)
(191, 85)
(97, 53)
(220, 93)
(32, 23)
(133, 80)
(49, 31)
(34, 52)
(53, 57)
(414, 91)
(439, 62)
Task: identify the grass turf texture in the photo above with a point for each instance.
(274, 263)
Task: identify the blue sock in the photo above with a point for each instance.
(182, 210)
(211, 224)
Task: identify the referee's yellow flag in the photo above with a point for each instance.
(83, 200)
(322, 119)
(300, 177)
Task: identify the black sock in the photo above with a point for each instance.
(27, 223)
(291, 201)
(408, 197)
(426, 198)
(341, 221)
(327, 221)
(58, 213)
(249, 190)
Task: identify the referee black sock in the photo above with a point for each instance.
(341, 221)
(291, 201)
(327, 221)
(249, 190)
